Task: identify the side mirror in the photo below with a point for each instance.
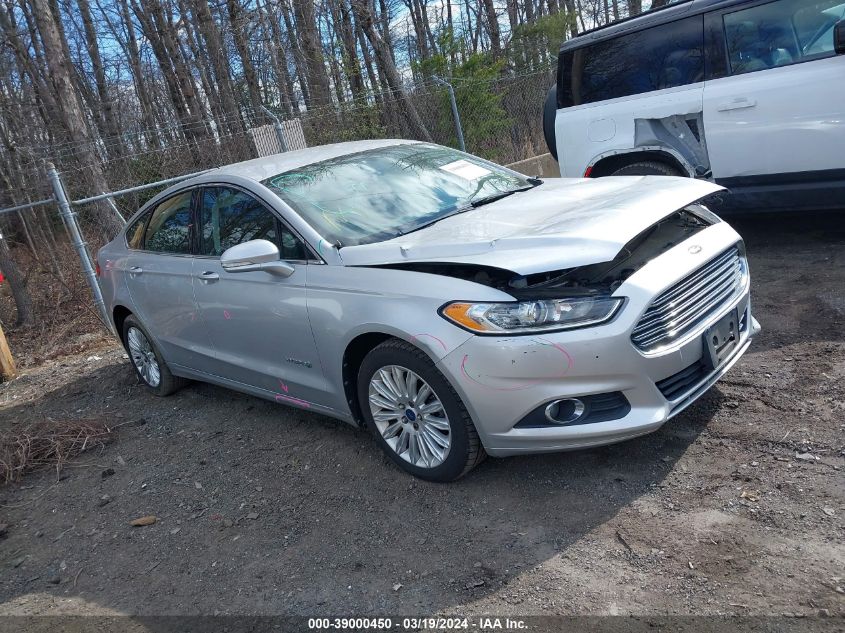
(839, 37)
(253, 256)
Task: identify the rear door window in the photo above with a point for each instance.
(135, 232)
(169, 229)
(665, 56)
(780, 33)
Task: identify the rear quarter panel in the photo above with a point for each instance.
(112, 261)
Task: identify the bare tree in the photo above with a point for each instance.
(312, 51)
(59, 69)
(364, 15)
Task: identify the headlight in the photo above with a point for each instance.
(527, 317)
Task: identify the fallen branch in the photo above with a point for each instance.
(49, 443)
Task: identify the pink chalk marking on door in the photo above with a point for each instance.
(226, 315)
(283, 386)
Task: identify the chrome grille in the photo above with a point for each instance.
(693, 300)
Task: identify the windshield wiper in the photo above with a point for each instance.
(501, 194)
(435, 221)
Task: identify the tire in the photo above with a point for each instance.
(647, 168)
(424, 423)
(549, 114)
(144, 347)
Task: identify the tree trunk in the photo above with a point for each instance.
(375, 82)
(59, 67)
(139, 80)
(513, 14)
(284, 82)
(493, 28)
(347, 37)
(17, 285)
(114, 146)
(571, 17)
(298, 57)
(312, 51)
(364, 16)
(214, 45)
(238, 21)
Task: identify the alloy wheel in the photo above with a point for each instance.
(143, 356)
(410, 416)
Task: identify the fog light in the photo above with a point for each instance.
(565, 411)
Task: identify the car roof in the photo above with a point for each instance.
(267, 166)
(668, 13)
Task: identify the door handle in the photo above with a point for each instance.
(736, 104)
(135, 270)
(209, 276)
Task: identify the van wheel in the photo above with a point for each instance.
(147, 361)
(647, 168)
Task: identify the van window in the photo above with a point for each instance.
(664, 56)
(780, 33)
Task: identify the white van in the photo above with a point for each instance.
(747, 93)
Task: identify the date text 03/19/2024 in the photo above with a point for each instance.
(418, 623)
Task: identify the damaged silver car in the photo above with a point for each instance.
(452, 306)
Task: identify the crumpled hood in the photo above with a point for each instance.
(563, 223)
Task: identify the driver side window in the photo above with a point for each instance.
(229, 217)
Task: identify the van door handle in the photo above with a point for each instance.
(135, 270)
(209, 276)
(736, 104)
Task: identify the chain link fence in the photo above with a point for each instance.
(110, 179)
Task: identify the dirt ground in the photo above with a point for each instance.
(737, 506)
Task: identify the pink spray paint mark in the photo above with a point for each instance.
(442, 344)
(283, 398)
(530, 383)
(296, 401)
(226, 315)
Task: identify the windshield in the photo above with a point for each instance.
(382, 193)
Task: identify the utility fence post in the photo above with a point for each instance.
(280, 130)
(459, 130)
(69, 218)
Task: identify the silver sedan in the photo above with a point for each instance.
(452, 306)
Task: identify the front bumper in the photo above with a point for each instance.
(502, 380)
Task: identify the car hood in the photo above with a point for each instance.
(560, 224)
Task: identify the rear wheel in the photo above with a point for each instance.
(415, 414)
(147, 360)
(647, 168)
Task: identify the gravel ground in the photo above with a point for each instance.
(735, 507)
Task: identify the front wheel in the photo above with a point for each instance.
(415, 414)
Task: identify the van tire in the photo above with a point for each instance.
(647, 168)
